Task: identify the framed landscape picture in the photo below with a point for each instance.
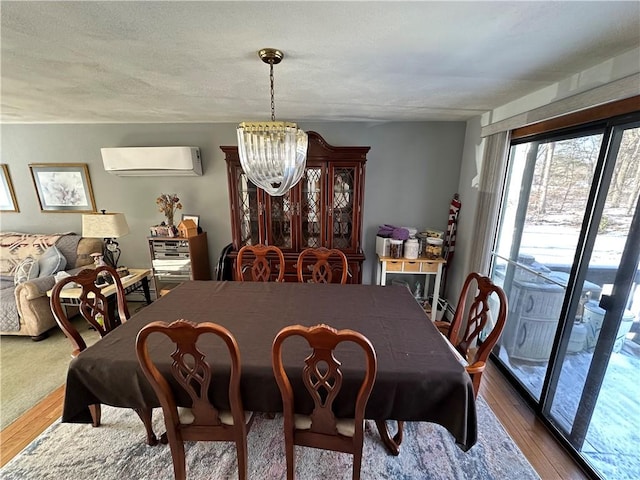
(63, 187)
(8, 202)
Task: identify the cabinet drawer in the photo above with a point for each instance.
(162, 279)
(411, 266)
(394, 266)
(429, 267)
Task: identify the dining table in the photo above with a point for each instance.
(418, 377)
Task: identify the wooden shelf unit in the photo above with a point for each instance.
(178, 259)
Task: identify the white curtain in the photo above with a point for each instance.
(494, 162)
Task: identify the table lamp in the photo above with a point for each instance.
(107, 226)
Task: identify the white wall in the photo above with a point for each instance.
(616, 68)
(458, 268)
(412, 172)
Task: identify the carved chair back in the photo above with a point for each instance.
(476, 326)
(322, 378)
(95, 306)
(192, 372)
(253, 264)
(326, 264)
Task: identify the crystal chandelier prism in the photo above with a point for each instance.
(272, 154)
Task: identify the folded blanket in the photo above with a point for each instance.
(9, 320)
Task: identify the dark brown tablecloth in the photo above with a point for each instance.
(418, 377)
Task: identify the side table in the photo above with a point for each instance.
(137, 278)
(419, 266)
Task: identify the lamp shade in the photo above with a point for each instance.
(104, 225)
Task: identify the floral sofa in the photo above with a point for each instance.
(28, 263)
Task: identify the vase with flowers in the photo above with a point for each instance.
(168, 203)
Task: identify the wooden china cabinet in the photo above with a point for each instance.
(323, 210)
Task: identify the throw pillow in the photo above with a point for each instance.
(51, 261)
(26, 270)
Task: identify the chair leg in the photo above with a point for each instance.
(475, 379)
(241, 453)
(145, 415)
(289, 453)
(177, 456)
(392, 444)
(96, 413)
(357, 462)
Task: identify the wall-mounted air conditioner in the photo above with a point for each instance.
(152, 161)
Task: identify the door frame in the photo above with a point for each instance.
(614, 305)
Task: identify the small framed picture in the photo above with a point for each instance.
(63, 187)
(8, 202)
(195, 218)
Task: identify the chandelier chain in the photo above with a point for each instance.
(272, 154)
(273, 103)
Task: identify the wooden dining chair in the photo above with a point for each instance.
(326, 263)
(94, 306)
(192, 372)
(476, 326)
(322, 377)
(253, 261)
(102, 312)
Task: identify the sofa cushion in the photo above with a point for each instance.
(15, 247)
(27, 269)
(86, 247)
(51, 261)
(68, 246)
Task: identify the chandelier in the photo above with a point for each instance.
(272, 154)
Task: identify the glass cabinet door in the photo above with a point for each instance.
(249, 210)
(312, 208)
(280, 220)
(342, 215)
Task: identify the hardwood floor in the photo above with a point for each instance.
(542, 450)
(531, 436)
(31, 424)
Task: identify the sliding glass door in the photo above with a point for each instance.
(567, 255)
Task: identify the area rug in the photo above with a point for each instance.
(44, 364)
(29, 371)
(116, 450)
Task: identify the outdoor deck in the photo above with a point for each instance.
(614, 432)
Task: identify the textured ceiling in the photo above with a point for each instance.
(105, 62)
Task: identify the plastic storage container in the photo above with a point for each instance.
(422, 242)
(433, 233)
(382, 246)
(412, 231)
(434, 247)
(395, 248)
(411, 248)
